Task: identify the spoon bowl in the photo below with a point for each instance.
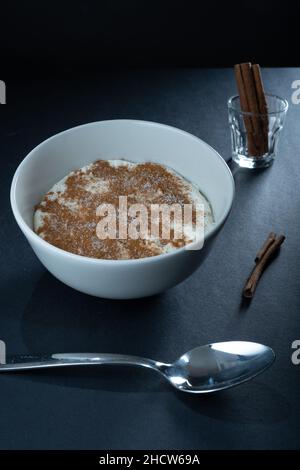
(219, 366)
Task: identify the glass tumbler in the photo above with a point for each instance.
(244, 138)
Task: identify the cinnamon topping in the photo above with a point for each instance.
(66, 216)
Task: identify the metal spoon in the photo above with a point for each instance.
(204, 369)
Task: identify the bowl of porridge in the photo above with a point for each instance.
(122, 209)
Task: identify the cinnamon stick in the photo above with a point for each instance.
(256, 273)
(262, 105)
(253, 106)
(271, 238)
(245, 108)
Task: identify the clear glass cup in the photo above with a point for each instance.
(242, 139)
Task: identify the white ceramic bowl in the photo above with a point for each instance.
(137, 141)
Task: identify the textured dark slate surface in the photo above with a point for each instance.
(129, 408)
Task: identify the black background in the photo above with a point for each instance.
(86, 36)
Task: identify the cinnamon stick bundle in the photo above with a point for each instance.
(253, 101)
(265, 254)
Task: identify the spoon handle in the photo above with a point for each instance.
(26, 362)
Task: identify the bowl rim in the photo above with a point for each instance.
(30, 234)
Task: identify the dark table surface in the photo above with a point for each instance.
(132, 408)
